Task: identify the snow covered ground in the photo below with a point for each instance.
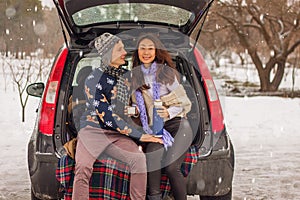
(265, 132)
(266, 136)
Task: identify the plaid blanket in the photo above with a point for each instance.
(108, 181)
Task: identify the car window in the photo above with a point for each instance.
(84, 67)
(132, 12)
(87, 64)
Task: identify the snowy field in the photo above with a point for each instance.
(265, 132)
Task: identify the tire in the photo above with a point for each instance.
(227, 196)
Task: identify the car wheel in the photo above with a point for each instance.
(227, 196)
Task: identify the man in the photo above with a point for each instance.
(102, 128)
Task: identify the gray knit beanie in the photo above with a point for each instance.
(104, 45)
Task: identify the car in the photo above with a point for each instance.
(178, 26)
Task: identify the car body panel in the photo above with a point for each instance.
(42, 163)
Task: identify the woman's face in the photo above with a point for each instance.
(118, 55)
(146, 52)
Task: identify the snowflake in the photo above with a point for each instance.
(93, 113)
(99, 86)
(109, 123)
(110, 108)
(90, 77)
(110, 81)
(96, 103)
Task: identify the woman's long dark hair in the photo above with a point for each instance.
(166, 69)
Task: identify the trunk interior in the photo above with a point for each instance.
(72, 99)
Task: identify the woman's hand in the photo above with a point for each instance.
(163, 112)
(150, 138)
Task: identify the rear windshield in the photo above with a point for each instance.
(132, 12)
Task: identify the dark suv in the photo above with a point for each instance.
(174, 22)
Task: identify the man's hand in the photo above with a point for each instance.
(131, 111)
(150, 138)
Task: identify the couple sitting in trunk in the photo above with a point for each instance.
(151, 96)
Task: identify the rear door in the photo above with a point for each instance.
(84, 21)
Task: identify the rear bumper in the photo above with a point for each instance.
(213, 175)
(42, 164)
(43, 181)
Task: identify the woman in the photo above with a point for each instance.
(156, 80)
(102, 129)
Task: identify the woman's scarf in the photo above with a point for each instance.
(166, 136)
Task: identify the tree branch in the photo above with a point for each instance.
(293, 47)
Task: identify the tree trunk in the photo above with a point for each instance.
(23, 113)
(6, 49)
(274, 85)
(264, 78)
(275, 64)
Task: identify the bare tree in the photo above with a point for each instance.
(217, 47)
(17, 27)
(25, 72)
(4, 71)
(294, 66)
(267, 30)
(52, 38)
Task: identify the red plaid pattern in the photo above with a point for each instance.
(110, 179)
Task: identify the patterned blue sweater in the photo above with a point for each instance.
(107, 92)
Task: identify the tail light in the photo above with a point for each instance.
(217, 118)
(49, 102)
